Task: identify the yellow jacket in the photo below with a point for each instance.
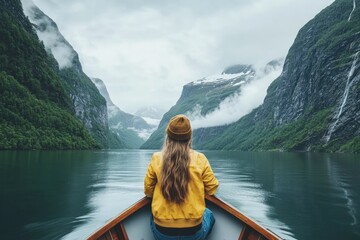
(190, 212)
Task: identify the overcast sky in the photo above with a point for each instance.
(145, 51)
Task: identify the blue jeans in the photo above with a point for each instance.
(207, 225)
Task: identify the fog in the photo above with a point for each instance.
(249, 96)
(53, 42)
(145, 51)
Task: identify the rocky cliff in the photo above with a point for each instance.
(35, 109)
(206, 99)
(315, 103)
(89, 105)
(130, 129)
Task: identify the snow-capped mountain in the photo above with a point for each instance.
(131, 129)
(312, 105)
(220, 99)
(152, 115)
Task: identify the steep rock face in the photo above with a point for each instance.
(89, 105)
(314, 104)
(35, 110)
(130, 129)
(205, 96)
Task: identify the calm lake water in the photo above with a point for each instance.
(69, 194)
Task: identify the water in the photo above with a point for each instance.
(345, 96)
(69, 194)
(354, 6)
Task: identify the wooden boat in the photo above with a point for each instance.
(134, 224)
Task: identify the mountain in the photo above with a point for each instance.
(315, 103)
(152, 115)
(130, 129)
(206, 99)
(35, 109)
(89, 105)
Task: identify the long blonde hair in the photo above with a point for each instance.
(175, 170)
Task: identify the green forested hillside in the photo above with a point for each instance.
(206, 95)
(314, 105)
(35, 111)
(89, 106)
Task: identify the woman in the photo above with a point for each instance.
(177, 180)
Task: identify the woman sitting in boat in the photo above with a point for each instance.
(177, 180)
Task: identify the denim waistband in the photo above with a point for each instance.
(179, 231)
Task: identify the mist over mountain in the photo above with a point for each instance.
(88, 103)
(308, 102)
(220, 99)
(130, 129)
(251, 93)
(36, 111)
(312, 105)
(152, 115)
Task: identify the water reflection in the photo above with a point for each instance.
(69, 194)
(338, 180)
(42, 192)
(239, 186)
(118, 183)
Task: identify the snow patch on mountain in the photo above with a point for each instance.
(220, 77)
(152, 121)
(119, 120)
(143, 133)
(150, 113)
(250, 95)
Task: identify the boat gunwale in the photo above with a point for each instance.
(122, 216)
(211, 198)
(242, 217)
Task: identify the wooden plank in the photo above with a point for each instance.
(251, 234)
(119, 231)
(112, 223)
(248, 221)
(103, 237)
(106, 236)
(241, 237)
(126, 237)
(114, 235)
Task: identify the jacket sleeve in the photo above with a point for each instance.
(150, 180)
(210, 182)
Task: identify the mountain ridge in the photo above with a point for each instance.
(304, 102)
(35, 110)
(312, 106)
(130, 129)
(88, 103)
(206, 97)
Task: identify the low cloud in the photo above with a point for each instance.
(49, 34)
(145, 51)
(237, 105)
(61, 51)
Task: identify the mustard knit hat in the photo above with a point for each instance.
(179, 128)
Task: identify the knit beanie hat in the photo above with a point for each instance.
(179, 128)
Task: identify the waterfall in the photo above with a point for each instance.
(348, 84)
(354, 6)
(345, 96)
